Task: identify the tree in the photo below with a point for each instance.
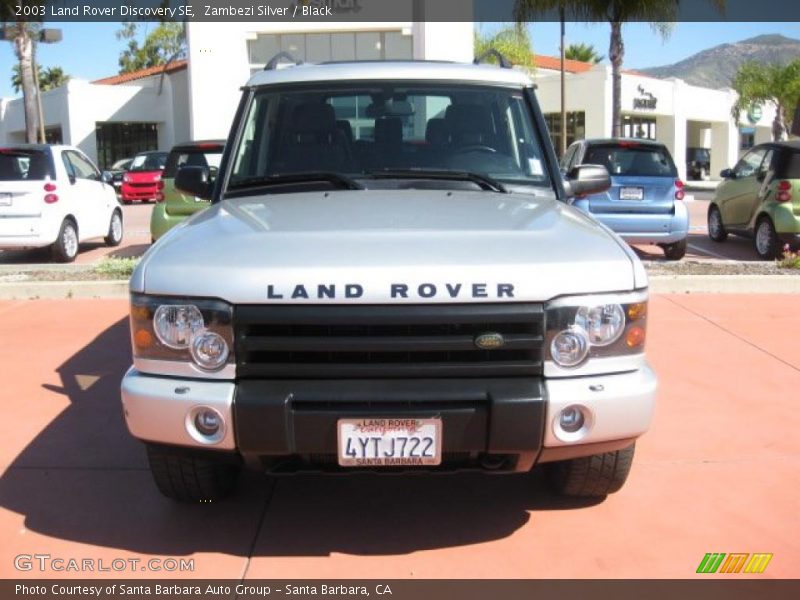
(584, 53)
(161, 45)
(776, 84)
(512, 42)
(24, 47)
(49, 78)
(661, 14)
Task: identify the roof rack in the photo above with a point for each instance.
(275, 60)
(504, 63)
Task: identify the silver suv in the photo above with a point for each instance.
(389, 279)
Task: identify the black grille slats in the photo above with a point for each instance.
(366, 341)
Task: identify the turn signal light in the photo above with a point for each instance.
(679, 193)
(784, 193)
(50, 198)
(635, 337)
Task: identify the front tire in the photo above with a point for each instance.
(716, 228)
(184, 477)
(766, 240)
(65, 248)
(114, 237)
(675, 251)
(592, 476)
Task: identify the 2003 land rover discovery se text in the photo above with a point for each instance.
(389, 279)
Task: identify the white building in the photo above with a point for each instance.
(196, 98)
(668, 110)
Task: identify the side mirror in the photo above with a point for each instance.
(194, 181)
(726, 173)
(585, 180)
(107, 177)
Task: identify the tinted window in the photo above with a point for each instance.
(354, 131)
(788, 164)
(634, 160)
(24, 165)
(190, 157)
(149, 162)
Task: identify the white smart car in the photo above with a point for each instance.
(54, 196)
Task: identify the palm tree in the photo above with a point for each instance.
(584, 53)
(49, 78)
(661, 14)
(776, 84)
(512, 42)
(23, 41)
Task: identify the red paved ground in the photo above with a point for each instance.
(719, 471)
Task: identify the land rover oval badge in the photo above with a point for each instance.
(490, 341)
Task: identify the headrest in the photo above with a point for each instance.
(346, 129)
(313, 117)
(389, 131)
(436, 131)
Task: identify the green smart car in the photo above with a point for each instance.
(173, 206)
(760, 199)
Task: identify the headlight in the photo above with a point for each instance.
(177, 324)
(581, 328)
(603, 323)
(198, 331)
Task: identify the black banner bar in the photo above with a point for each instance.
(299, 11)
(652, 589)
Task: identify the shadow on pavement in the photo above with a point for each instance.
(84, 479)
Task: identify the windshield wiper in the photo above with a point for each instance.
(335, 179)
(483, 181)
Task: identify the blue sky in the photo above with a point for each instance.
(91, 50)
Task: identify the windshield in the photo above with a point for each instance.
(149, 162)
(22, 164)
(632, 160)
(193, 157)
(363, 129)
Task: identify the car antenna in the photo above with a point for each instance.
(275, 60)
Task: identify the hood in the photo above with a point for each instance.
(387, 246)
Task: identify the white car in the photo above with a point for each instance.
(54, 196)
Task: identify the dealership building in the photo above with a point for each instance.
(196, 98)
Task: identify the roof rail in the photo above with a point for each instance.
(504, 63)
(275, 60)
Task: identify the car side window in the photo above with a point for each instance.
(68, 165)
(749, 163)
(766, 164)
(82, 167)
(566, 162)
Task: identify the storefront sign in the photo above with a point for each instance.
(645, 101)
(754, 113)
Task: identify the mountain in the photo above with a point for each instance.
(716, 66)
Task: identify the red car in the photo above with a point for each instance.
(142, 181)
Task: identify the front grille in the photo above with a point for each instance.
(409, 341)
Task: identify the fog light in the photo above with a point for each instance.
(569, 347)
(207, 422)
(571, 419)
(209, 350)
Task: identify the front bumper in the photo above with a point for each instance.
(516, 417)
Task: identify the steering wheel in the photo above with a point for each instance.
(476, 148)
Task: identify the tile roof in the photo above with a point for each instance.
(553, 63)
(175, 65)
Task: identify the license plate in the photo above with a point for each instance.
(631, 193)
(5, 199)
(394, 442)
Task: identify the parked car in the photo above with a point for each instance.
(698, 163)
(644, 204)
(759, 198)
(142, 182)
(116, 172)
(174, 206)
(54, 196)
(416, 297)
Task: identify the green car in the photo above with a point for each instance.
(760, 199)
(173, 206)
